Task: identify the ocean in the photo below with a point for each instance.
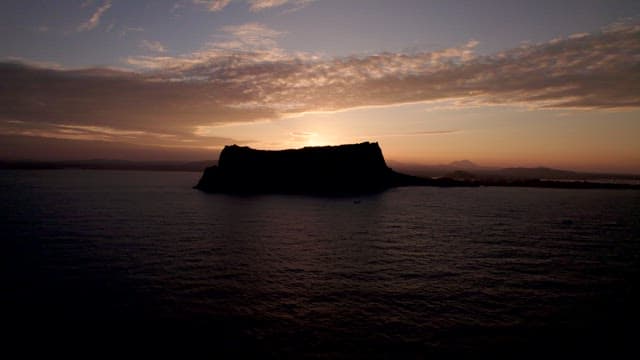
(411, 272)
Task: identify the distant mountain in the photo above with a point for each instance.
(434, 171)
(472, 170)
(463, 164)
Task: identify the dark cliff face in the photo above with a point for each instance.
(355, 168)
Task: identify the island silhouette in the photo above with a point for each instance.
(348, 169)
(342, 169)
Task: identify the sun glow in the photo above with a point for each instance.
(316, 140)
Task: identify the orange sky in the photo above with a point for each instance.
(551, 92)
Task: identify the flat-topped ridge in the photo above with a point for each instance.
(350, 168)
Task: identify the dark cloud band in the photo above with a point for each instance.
(228, 85)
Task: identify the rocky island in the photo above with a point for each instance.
(350, 169)
(343, 169)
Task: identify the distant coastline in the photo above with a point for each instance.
(460, 171)
(107, 164)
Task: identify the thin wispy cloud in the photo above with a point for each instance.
(578, 35)
(154, 46)
(254, 5)
(248, 43)
(408, 134)
(298, 5)
(213, 5)
(250, 35)
(420, 133)
(126, 30)
(94, 20)
(226, 84)
(259, 5)
(251, 31)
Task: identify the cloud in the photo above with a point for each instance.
(241, 44)
(250, 35)
(154, 46)
(423, 133)
(259, 5)
(251, 31)
(241, 78)
(578, 35)
(125, 30)
(409, 134)
(94, 20)
(254, 5)
(31, 147)
(213, 5)
(298, 5)
(302, 134)
(33, 63)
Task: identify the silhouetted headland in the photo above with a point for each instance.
(343, 169)
(337, 170)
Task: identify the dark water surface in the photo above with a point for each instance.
(409, 272)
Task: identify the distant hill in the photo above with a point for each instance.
(472, 170)
(463, 164)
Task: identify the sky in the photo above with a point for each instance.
(500, 83)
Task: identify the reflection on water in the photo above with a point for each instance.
(411, 271)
